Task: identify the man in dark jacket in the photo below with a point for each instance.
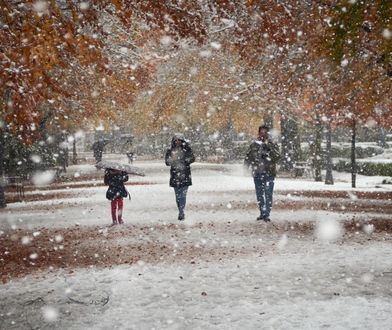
(261, 158)
(98, 147)
(179, 157)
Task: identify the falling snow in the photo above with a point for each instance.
(89, 83)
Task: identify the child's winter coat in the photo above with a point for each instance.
(115, 180)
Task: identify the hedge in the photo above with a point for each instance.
(344, 151)
(365, 168)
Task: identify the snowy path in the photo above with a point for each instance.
(219, 191)
(218, 270)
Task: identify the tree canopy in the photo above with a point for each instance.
(64, 63)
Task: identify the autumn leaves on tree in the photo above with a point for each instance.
(72, 64)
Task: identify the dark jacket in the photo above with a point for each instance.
(98, 149)
(266, 152)
(179, 159)
(115, 180)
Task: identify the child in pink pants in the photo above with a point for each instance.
(117, 208)
(115, 180)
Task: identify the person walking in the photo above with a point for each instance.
(97, 148)
(261, 158)
(179, 157)
(115, 180)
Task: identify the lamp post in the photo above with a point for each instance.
(328, 175)
(353, 158)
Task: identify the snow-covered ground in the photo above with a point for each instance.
(215, 188)
(246, 275)
(305, 286)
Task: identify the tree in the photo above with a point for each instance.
(359, 44)
(38, 39)
(50, 47)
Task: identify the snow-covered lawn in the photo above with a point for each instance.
(305, 286)
(220, 269)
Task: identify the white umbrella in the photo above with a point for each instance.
(120, 167)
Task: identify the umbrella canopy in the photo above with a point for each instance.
(120, 167)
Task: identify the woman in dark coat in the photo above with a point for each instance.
(115, 180)
(179, 157)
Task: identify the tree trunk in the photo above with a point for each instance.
(2, 195)
(328, 175)
(227, 143)
(291, 147)
(317, 156)
(74, 154)
(2, 151)
(382, 138)
(297, 152)
(353, 159)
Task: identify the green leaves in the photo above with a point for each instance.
(346, 27)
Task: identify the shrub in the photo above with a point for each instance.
(365, 168)
(344, 151)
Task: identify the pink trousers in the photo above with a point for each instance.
(117, 208)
